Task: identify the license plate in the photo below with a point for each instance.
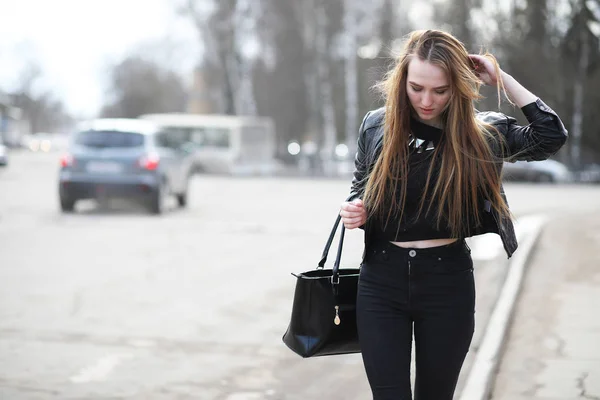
(103, 167)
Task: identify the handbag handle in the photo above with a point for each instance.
(335, 277)
(321, 264)
(328, 244)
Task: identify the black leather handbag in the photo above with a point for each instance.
(323, 318)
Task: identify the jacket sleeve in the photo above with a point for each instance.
(360, 164)
(543, 137)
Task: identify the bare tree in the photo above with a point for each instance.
(138, 86)
(456, 16)
(296, 61)
(555, 56)
(280, 87)
(41, 109)
(214, 25)
(324, 79)
(227, 30)
(582, 45)
(350, 47)
(246, 14)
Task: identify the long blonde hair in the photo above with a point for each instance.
(468, 167)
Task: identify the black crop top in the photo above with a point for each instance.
(425, 138)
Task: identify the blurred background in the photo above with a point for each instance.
(307, 66)
(233, 124)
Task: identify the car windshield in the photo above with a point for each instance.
(109, 139)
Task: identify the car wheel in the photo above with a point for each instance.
(156, 202)
(182, 199)
(158, 199)
(67, 205)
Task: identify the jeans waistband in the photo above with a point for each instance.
(391, 251)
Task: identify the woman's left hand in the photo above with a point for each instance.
(484, 69)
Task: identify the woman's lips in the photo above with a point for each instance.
(427, 110)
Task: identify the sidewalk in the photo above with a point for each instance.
(553, 348)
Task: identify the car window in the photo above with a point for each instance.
(210, 137)
(172, 138)
(109, 139)
(203, 137)
(214, 137)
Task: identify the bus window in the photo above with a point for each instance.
(197, 136)
(210, 137)
(217, 137)
(173, 138)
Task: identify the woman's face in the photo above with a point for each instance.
(428, 90)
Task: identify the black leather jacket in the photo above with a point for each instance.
(543, 137)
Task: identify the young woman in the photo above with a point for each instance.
(428, 175)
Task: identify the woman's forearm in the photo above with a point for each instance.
(517, 92)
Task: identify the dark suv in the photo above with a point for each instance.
(125, 158)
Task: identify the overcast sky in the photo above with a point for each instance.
(75, 41)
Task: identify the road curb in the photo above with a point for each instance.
(479, 382)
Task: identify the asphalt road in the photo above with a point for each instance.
(114, 303)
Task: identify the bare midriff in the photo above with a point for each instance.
(423, 244)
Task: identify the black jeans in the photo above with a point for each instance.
(431, 290)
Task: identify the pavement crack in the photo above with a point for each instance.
(582, 389)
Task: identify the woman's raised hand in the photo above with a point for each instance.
(353, 214)
(485, 69)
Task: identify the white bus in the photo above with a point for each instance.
(224, 144)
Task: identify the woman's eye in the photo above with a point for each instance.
(440, 91)
(416, 89)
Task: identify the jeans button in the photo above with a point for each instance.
(412, 253)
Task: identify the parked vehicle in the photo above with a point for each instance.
(225, 144)
(125, 158)
(3, 155)
(546, 171)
